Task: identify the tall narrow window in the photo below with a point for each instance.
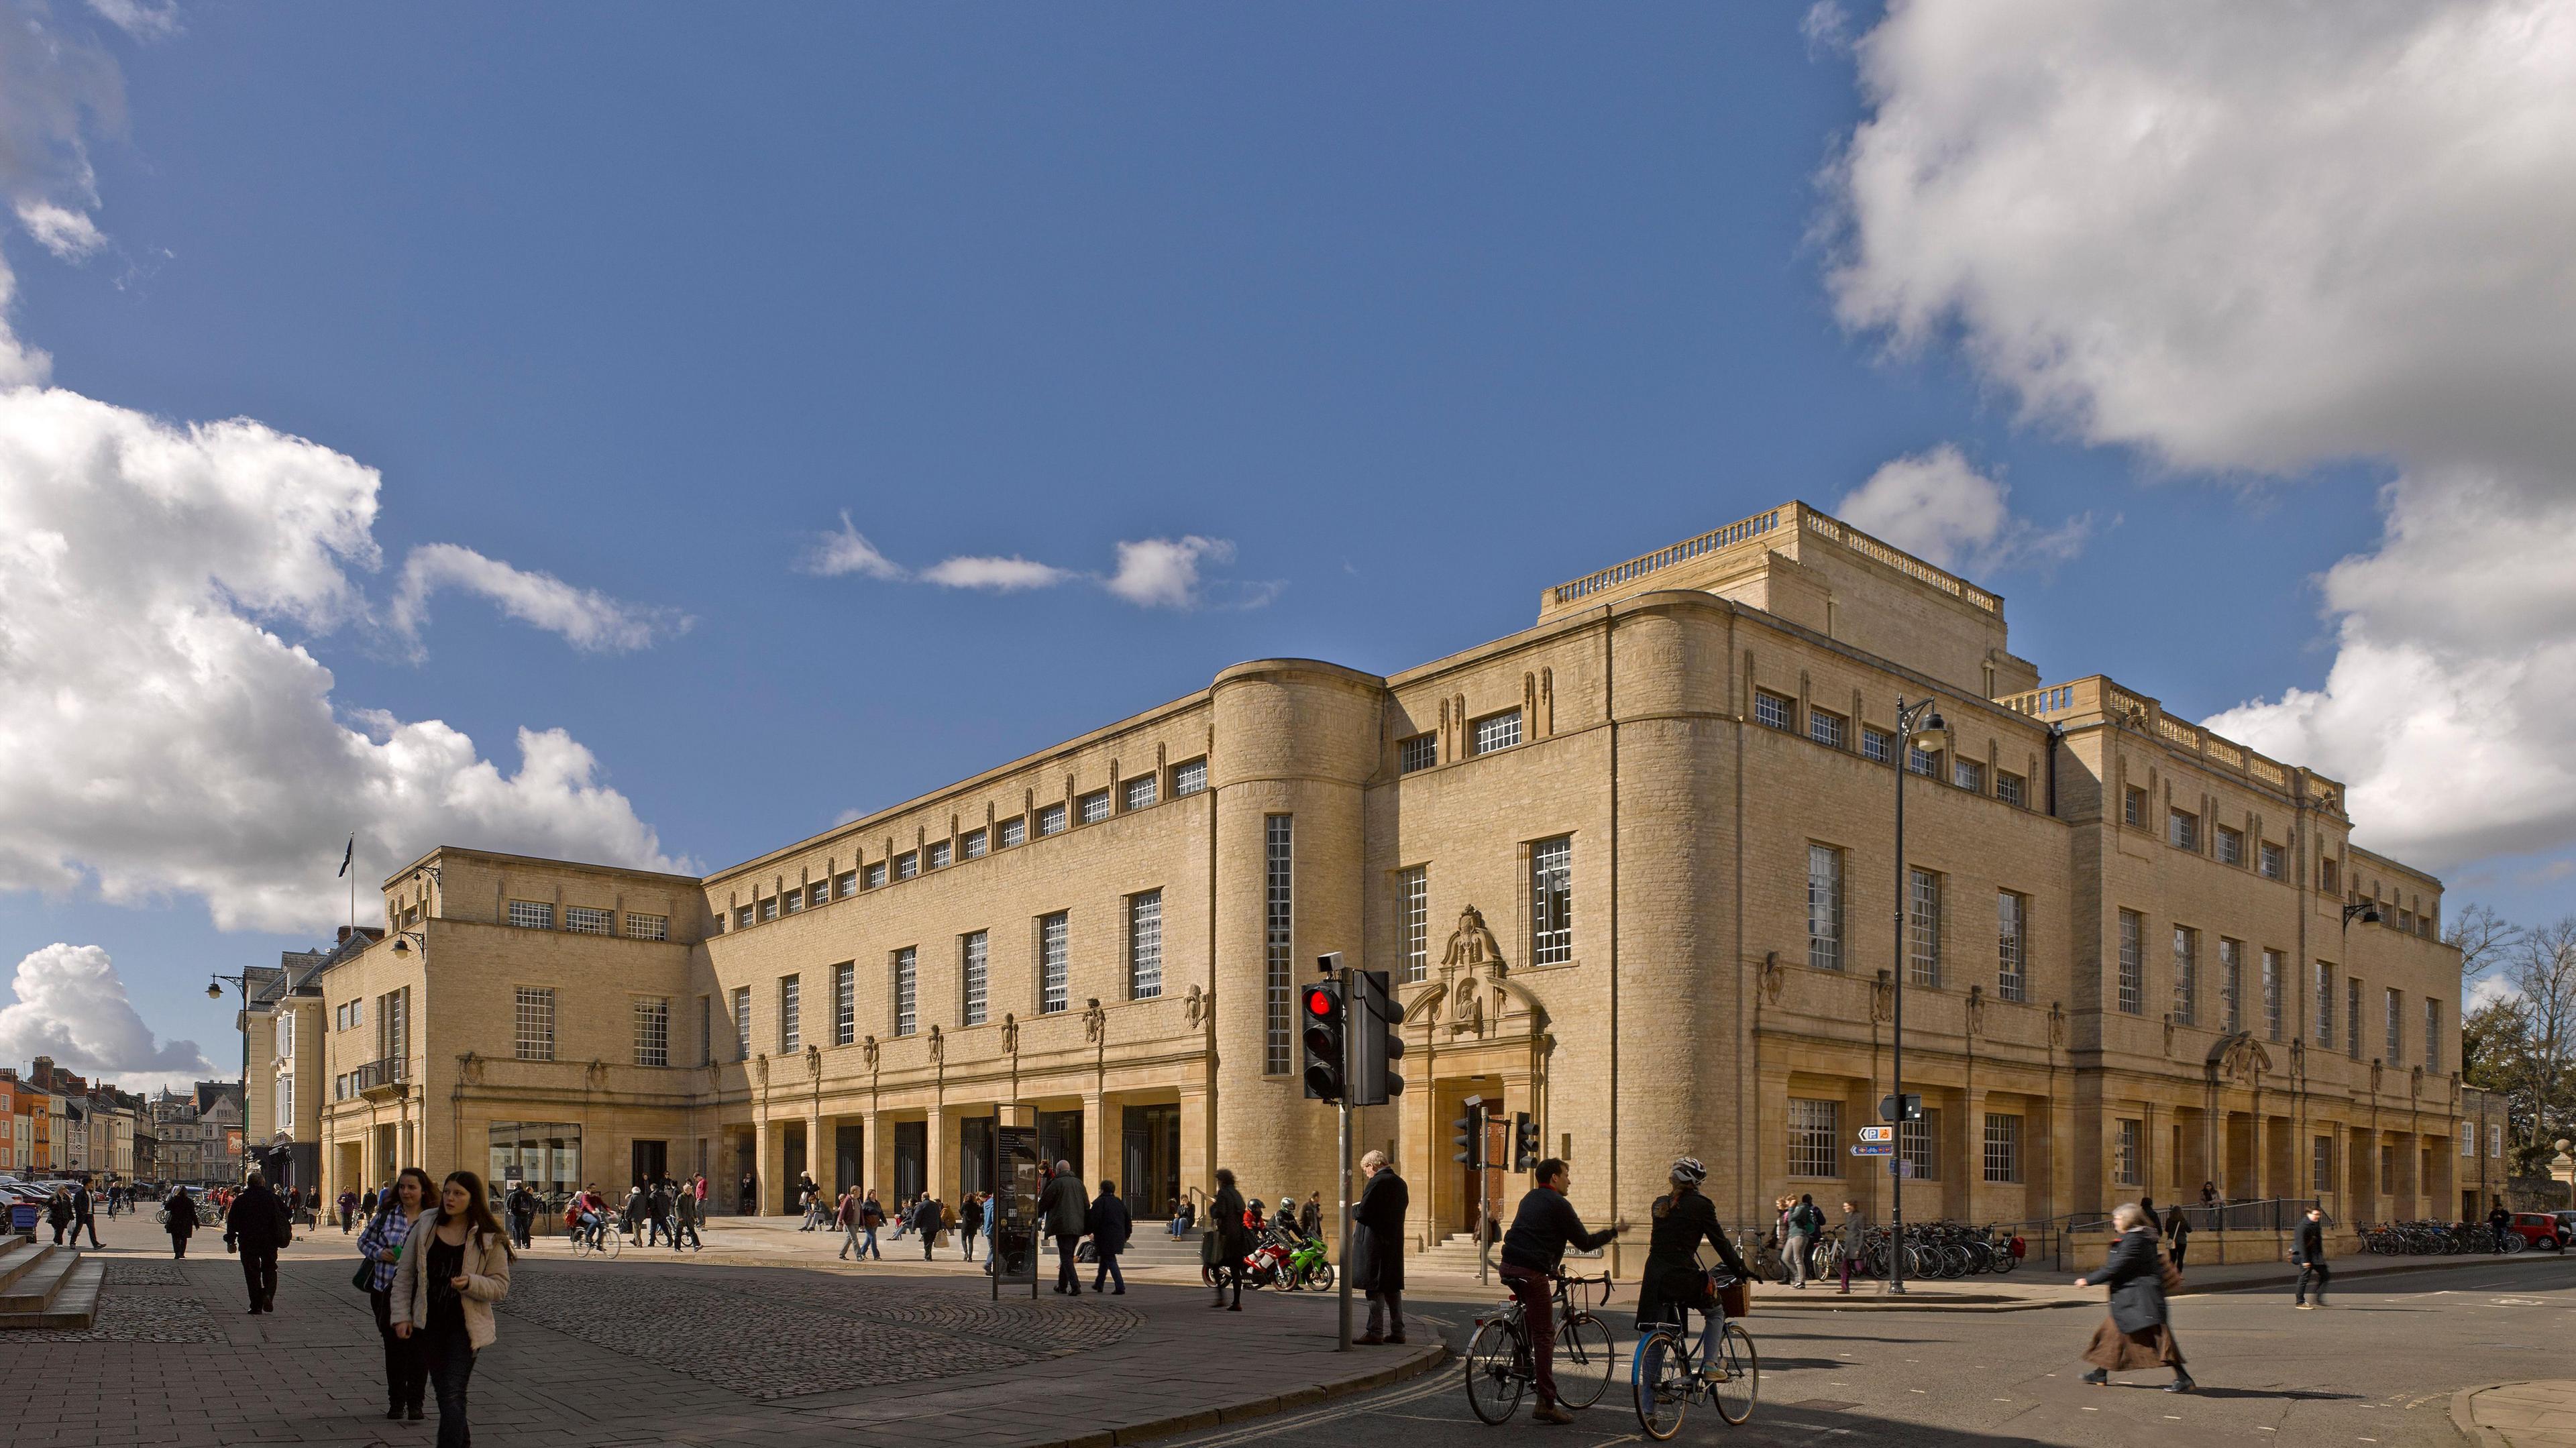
(1552, 901)
(2133, 806)
(742, 1021)
(1815, 1138)
(2325, 1006)
(1277, 940)
(535, 1037)
(2133, 963)
(1824, 907)
(907, 985)
(2396, 1009)
(1923, 928)
(652, 1030)
(1918, 1144)
(2321, 1167)
(1145, 945)
(2126, 1162)
(2186, 976)
(2012, 946)
(2003, 1147)
(1055, 963)
(791, 1016)
(2231, 982)
(2182, 830)
(970, 961)
(706, 1030)
(2432, 1034)
(2352, 1016)
(2274, 861)
(1413, 914)
(845, 1003)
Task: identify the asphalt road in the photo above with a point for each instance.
(2378, 1367)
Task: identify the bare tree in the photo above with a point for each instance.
(2540, 971)
(2483, 939)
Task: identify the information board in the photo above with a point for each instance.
(1012, 1217)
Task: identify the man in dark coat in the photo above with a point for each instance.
(927, 1219)
(1377, 1247)
(2499, 1222)
(970, 1220)
(1231, 1238)
(182, 1221)
(1062, 1207)
(2308, 1249)
(1111, 1226)
(256, 1227)
(84, 1214)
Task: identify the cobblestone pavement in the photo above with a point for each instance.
(650, 1350)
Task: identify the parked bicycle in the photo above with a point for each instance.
(1500, 1367)
(1668, 1373)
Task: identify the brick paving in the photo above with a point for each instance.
(646, 1349)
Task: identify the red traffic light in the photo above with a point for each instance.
(1321, 1002)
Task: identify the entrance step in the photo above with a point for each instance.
(61, 1291)
(21, 1258)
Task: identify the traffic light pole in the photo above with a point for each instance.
(1345, 1275)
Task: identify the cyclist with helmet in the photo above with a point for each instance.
(1541, 1230)
(1674, 1282)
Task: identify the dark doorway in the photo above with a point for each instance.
(652, 1160)
(975, 1154)
(849, 1153)
(1149, 1159)
(1060, 1138)
(1477, 1188)
(911, 1159)
(793, 1166)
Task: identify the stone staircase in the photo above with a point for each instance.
(42, 1285)
(1454, 1254)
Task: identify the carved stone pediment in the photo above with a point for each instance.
(1471, 976)
(2238, 1057)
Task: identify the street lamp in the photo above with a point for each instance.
(2365, 911)
(1917, 721)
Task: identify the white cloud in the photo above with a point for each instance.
(139, 19)
(586, 619)
(848, 551)
(164, 739)
(68, 234)
(1000, 575)
(1938, 507)
(2263, 239)
(72, 1006)
(1164, 572)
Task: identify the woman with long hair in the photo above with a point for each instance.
(1674, 1282)
(452, 1271)
(401, 1206)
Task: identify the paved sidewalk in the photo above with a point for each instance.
(2518, 1415)
(2039, 1287)
(648, 1350)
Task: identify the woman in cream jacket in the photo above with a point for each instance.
(455, 1265)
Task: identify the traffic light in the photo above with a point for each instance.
(1470, 1138)
(1375, 1043)
(1524, 1142)
(1325, 1033)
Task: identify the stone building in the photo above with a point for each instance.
(1626, 867)
(283, 1029)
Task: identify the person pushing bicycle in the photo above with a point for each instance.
(1674, 1282)
(1541, 1231)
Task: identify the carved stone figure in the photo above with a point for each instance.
(1471, 969)
(1197, 1006)
(760, 1070)
(1471, 945)
(938, 1044)
(1010, 1034)
(868, 1051)
(1095, 1021)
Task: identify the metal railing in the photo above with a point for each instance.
(387, 1072)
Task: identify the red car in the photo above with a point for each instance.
(2539, 1229)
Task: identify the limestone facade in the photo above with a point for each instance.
(1632, 867)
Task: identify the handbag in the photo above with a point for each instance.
(1735, 1299)
(365, 1280)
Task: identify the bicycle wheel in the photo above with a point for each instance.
(1736, 1376)
(611, 1244)
(1659, 1373)
(1493, 1361)
(1584, 1356)
(2005, 1261)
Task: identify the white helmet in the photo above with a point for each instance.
(1688, 1172)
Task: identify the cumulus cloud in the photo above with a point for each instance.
(2260, 239)
(1938, 507)
(165, 738)
(139, 19)
(72, 1006)
(585, 618)
(999, 575)
(1151, 572)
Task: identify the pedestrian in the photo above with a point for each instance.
(2209, 1194)
(926, 1219)
(2308, 1249)
(2155, 1219)
(970, 1220)
(2177, 1233)
(256, 1227)
(2135, 1336)
(1798, 1229)
(1111, 1226)
(1377, 1248)
(84, 1215)
(445, 1286)
(1184, 1214)
(903, 1216)
(181, 1221)
(1855, 1237)
(1673, 1282)
(872, 1215)
(687, 1210)
(58, 1214)
(658, 1225)
(367, 1204)
(806, 1199)
(406, 1373)
(1542, 1229)
(1062, 1207)
(523, 1205)
(845, 1215)
(632, 1215)
(1310, 1218)
(2499, 1222)
(750, 1196)
(1230, 1238)
(115, 1194)
(348, 1205)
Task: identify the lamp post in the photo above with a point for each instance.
(1918, 720)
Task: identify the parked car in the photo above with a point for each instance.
(2542, 1230)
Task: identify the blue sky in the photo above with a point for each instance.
(1419, 309)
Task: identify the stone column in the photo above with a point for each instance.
(939, 1173)
(1099, 1151)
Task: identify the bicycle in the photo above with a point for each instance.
(1500, 1367)
(597, 1239)
(1667, 1376)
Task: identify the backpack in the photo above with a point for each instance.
(1809, 1218)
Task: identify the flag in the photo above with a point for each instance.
(348, 854)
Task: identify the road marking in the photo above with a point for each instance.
(2510, 1301)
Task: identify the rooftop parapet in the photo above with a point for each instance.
(2098, 699)
(1772, 528)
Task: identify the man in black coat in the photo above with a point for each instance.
(1111, 1226)
(1377, 1247)
(1062, 1210)
(256, 1227)
(928, 1218)
(2309, 1251)
(84, 1215)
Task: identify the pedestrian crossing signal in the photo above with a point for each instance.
(1326, 1039)
(1525, 1147)
(1469, 1135)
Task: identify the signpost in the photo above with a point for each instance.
(1878, 1133)
(1013, 1222)
(1874, 1148)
